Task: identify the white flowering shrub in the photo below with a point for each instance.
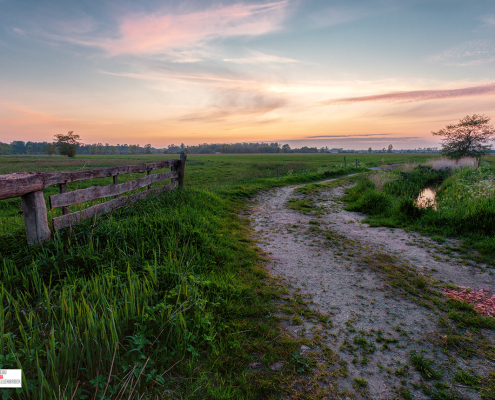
(468, 190)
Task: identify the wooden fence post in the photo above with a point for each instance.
(35, 218)
(182, 168)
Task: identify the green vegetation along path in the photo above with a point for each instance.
(392, 329)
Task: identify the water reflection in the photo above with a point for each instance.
(426, 198)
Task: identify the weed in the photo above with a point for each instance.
(361, 382)
(424, 366)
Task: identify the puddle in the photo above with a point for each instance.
(426, 198)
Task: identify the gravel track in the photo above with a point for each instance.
(355, 296)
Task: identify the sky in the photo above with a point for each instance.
(352, 74)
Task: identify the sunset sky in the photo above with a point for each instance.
(352, 74)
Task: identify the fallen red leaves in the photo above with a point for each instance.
(481, 299)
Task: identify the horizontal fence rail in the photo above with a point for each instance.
(111, 205)
(30, 186)
(99, 192)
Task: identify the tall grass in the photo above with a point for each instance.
(465, 202)
(164, 299)
(442, 163)
(155, 286)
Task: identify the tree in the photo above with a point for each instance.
(19, 146)
(147, 148)
(369, 150)
(390, 148)
(67, 144)
(285, 148)
(468, 138)
(133, 148)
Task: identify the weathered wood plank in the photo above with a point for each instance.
(63, 189)
(18, 184)
(115, 182)
(35, 218)
(75, 218)
(98, 192)
(182, 168)
(53, 178)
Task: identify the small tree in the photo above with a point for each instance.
(147, 148)
(67, 144)
(369, 150)
(390, 148)
(50, 149)
(468, 138)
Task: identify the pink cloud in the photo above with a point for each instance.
(160, 33)
(14, 115)
(20, 122)
(418, 95)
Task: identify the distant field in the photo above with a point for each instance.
(214, 168)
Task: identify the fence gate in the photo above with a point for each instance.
(30, 186)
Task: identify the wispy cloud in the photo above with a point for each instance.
(347, 136)
(388, 139)
(340, 14)
(468, 53)
(488, 20)
(19, 31)
(234, 104)
(256, 57)
(162, 32)
(16, 115)
(417, 95)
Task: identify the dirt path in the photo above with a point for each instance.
(374, 328)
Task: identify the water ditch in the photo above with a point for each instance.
(427, 198)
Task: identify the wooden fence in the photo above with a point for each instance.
(30, 186)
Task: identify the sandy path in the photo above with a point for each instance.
(354, 295)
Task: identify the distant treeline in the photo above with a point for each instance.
(20, 147)
(242, 148)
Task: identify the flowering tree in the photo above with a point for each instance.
(468, 138)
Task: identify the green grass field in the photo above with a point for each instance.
(164, 299)
(217, 173)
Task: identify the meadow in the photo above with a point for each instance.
(164, 299)
(218, 173)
